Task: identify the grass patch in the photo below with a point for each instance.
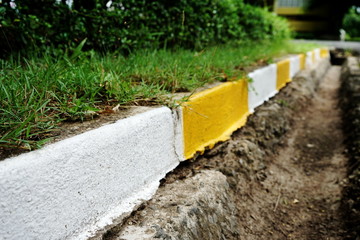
(37, 93)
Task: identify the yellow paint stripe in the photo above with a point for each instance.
(212, 115)
(313, 57)
(302, 61)
(283, 73)
(324, 52)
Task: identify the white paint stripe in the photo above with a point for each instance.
(308, 60)
(62, 189)
(263, 85)
(294, 65)
(317, 55)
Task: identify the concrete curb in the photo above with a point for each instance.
(84, 182)
(73, 188)
(263, 85)
(212, 115)
(295, 65)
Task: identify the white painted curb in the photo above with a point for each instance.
(309, 59)
(79, 183)
(317, 55)
(294, 65)
(262, 86)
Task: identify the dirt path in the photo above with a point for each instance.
(308, 172)
(318, 149)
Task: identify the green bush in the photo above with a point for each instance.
(261, 24)
(351, 23)
(133, 24)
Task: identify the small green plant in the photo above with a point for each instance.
(282, 102)
(251, 88)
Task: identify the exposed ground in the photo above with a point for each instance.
(301, 196)
(286, 171)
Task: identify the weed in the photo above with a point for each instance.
(282, 103)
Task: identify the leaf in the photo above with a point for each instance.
(78, 50)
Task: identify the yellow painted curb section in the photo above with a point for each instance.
(302, 61)
(324, 52)
(212, 115)
(313, 57)
(283, 73)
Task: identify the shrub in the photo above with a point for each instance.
(351, 22)
(133, 24)
(261, 24)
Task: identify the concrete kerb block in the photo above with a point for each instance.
(262, 85)
(313, 57)
(324, 53)
(283, 73)
(309, 59)
(212, 115)
(317, 54)
(71, 188)
(295, 65)
(302, 61)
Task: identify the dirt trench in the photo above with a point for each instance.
(306, 179)
(279, 177)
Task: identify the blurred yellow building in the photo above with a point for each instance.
(301, 18)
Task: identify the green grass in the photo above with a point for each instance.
(37, 93)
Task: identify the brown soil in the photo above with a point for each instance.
(301, 196)
(292, 189)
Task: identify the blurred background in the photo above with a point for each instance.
(318, 19)
(110, 25)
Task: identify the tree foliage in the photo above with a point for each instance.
(351, 22)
